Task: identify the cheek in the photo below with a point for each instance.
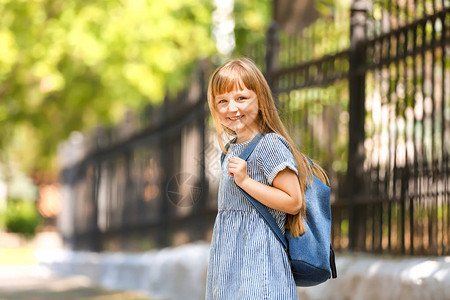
(222, 117)
(221, 113)
(252, 110)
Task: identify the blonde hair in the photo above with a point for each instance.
(235, 74)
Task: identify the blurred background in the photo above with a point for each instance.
(107, 144)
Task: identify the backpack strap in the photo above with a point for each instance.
(260, 208)
(222, 157)
(332, 263)
(268, 218)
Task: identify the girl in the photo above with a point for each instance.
(246, 260)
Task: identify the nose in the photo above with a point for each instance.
(232, 106)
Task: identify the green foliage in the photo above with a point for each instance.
(21, 217)
(69, 65)
(317, 119)
(252, 18)
(328, 34)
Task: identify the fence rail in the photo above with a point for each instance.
(394, 195)
(375, 115)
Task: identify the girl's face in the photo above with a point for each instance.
(238, 110)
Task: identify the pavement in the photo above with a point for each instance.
(36, 282)
(22, 278)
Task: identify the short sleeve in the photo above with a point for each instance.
(274, 155)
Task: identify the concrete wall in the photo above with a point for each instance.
(364, 277)
(172, 273)
(180, 273)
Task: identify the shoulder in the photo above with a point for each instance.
(273, 155)
(272, 141)
(272, 146)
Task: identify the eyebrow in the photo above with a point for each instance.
(238, 93)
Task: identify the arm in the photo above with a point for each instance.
(284, 195)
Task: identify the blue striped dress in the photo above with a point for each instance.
(246, 260)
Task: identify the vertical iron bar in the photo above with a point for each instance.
(424, 9)
(397, 15)
(372, 246)
(378, 130)
(397, 170)
(95, 242)
(434, 156)
(272, 50)
(389, 173)
(125, 222)
(405, 175)
(415, 153)
(166, 167)
(389, 11)
(415, 11)
(204, 182)
(424, 166)
(357, 80)
(444, 149)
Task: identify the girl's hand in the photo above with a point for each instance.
(237, 167)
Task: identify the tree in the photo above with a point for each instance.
(68, 65)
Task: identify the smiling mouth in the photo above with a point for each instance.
(235, 119)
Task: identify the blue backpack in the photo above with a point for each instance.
(311, 255)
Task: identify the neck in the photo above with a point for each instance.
(245, 138)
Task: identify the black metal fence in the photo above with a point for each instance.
(375, 114)
(393, 89)
(405, 205)
(151, 189)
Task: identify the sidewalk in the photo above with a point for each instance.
(34, 282)
(22, 278)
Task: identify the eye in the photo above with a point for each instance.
(241, 98)
(220, 101)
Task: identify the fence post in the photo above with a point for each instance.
(357, 77)
(166, 166)
(203, 95)
(272, 44)
(95, 239)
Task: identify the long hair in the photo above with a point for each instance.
(235, 74)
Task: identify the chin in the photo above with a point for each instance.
(237, 130)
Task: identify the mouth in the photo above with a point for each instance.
(236, 118)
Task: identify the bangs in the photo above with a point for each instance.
(230, 78)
